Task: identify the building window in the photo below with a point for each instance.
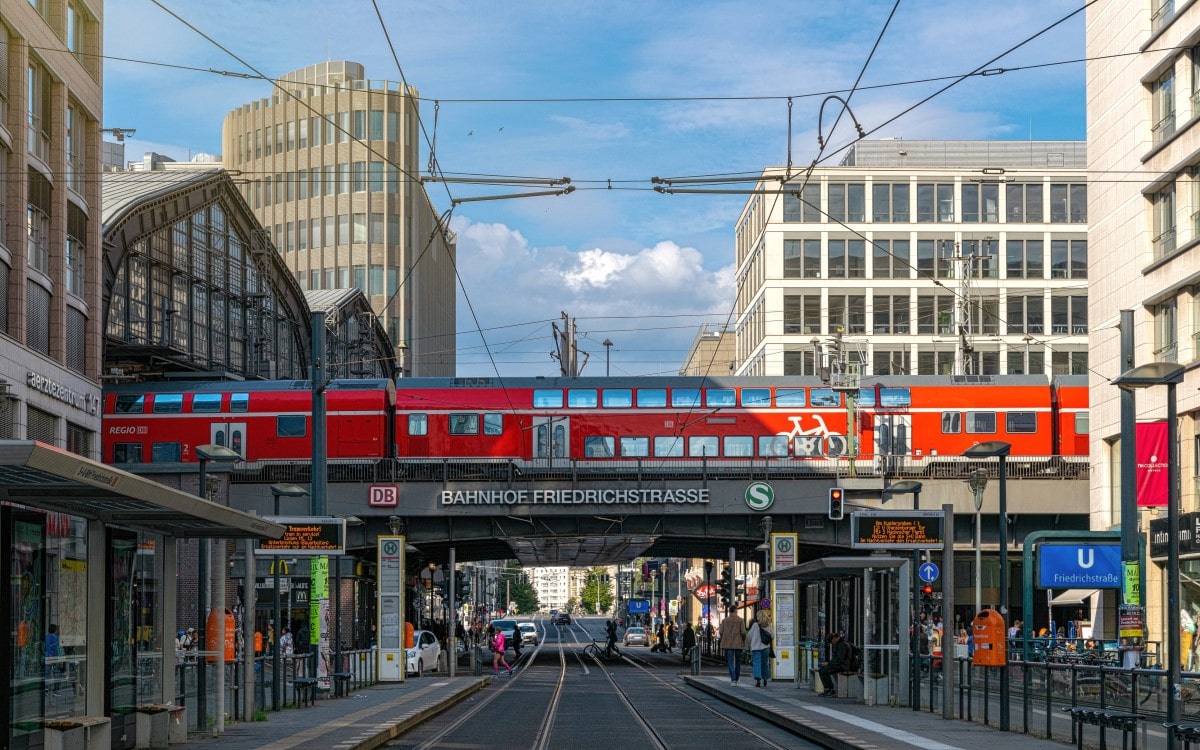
(1166, 332)
(1068, 259)
(889, 202)
(935, 202)
(847, 259)
(890, 259)
(890, 314)
(804, 206)
(799, 362)
(935, 362)
(891, 362)
(934, 259)
(1068, 315)
(1024, 259)
(848, 313)
(1068, 204)
(1026, 361)
(1025, 314)
(802, 313)
(935, 315)
(1162, 101)
(41, 426)
(984, 264)
(37, 140)
(76, 250)
(847, 201)
(37, 222)
(1163, 208)
(1069, 363)
(802, 259)
(79, 440)
(1161, 13)
(1024, 203)
(75, 149)
(981, 202)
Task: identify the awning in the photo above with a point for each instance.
(1073, 596)
(41, 476)
(833, 567)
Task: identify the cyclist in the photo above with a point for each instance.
(610, 630)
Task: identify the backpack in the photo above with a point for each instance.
(855, 659)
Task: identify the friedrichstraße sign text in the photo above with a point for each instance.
(689, 496)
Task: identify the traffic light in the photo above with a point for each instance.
(836, 497)
(725, 587)
(927, 598)
(462, 588)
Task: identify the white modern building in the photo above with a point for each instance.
(551, 585)
(1143, 83)
(918, 257)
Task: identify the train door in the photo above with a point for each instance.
(230, 435)
(550, 437)
(893, 440)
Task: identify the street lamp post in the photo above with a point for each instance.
(607, 351)
(278, 491)
(914, 643)
(432, 568)
(1000, 449)
(204, 454)
(1169, 374)
(977, 483)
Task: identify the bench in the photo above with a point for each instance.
(1185, 731)
(1122, 721)
(341, 683)
(850, 685)
(305, 690)
(89, 732)
(153, 728)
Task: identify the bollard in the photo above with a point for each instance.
(695, 662)
(477, 661)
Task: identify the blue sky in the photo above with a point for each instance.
(620, 91)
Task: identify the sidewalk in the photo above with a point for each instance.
(366, 718)
(846, 724)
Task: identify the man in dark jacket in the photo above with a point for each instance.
(689, 641)
(839, 661)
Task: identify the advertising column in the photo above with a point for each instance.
(390, 656)
(783, 604)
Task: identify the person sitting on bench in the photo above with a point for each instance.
(839, 661)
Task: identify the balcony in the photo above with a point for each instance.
(1164, 243)
(1164, 128)
(1162, 15)
(1167, 353)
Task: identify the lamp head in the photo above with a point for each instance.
(989, 449)
(1151, 373)
(210, 452)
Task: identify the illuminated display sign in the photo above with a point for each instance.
(307, 536)
(914, 529)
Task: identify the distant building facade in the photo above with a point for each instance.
(918, 257)
(713, 352)
(330, 168)
(551, 585)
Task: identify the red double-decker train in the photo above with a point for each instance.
(917, 418)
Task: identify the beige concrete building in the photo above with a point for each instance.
(50, 247)
(712, 353)
(330, 165)
(1143, 110)
(927, 257)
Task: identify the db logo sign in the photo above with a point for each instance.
(383, 496)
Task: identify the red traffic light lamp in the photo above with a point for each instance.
(837, 498)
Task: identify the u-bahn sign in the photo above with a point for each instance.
(883, 529)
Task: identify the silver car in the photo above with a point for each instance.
(636, 637)
(528, 633)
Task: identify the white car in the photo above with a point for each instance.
(423, 656)
(528, 632)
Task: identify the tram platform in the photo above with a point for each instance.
(848, 724)
(366, 718)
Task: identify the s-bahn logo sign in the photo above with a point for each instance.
(681, 496)
(760, 496)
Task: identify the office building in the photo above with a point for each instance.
(329, 164)
(918, 257)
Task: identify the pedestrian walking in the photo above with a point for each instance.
(758, 640)
(497, 645)
(688, 641)
(733, 641)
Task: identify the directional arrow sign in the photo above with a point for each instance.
(928, 572)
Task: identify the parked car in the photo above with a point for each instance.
(636, 637)
(529, 632)
(424, 655)
(509, 627)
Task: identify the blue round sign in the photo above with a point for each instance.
(928, 572)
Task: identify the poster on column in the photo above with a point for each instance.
(1150, 448)
(318, 613)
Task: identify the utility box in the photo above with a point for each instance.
(990, 635)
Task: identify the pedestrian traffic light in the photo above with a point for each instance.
(836, 497)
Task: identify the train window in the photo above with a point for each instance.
(895, 397)
(616, 398)
(866, 397)
(127, 453)
(547, 398)
(773, 445)
(951, 423)
(790, 397)
(826, 397)
(1082, 424)
(464, 424)
(703, 445)
(239, 402)
(741, 446)
(168, 403)
(668, 446)
(979, 422)
(290, 425)
(418, 424)
(635, 446)
(598, 447)
(493, 424)
(757, 397)
(165, 453)
(129, 404)
(719, 397)
(652, 398)
(204, 403)
(1020, 421)
(685, 398)
(582, 398)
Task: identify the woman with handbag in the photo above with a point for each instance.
(497, 643)
(758, 641)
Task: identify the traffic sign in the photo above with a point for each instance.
(928, 572)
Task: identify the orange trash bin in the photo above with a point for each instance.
(991, 644)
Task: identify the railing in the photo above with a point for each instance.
(1161, 15)
(1164, 128)
(516, 472)
(1164, 243)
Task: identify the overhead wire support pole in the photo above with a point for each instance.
(567, 190)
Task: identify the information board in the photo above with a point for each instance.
(911, 529)
(306, 536)
(390, 658)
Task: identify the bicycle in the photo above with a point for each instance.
(602, 651)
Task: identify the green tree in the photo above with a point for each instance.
(520, 592)
(597, 594)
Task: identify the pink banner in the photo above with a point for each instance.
(1151, 451)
